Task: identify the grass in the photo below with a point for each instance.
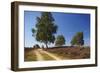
(63, 53)
(71, 52)
(30, 56)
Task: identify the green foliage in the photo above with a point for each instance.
(45, 28)
(36, 46)
(78, 39)
(60, 40)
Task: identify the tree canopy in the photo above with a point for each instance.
(60, 40)
(78, 39)
(45, 28)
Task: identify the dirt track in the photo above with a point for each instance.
(39, 56)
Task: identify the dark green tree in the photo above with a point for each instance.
(60, 40)
(45, 29)
(73, 41)
(78, 39)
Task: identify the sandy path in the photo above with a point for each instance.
(38, 55)
(49, 54)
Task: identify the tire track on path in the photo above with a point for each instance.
(38, 55)
(49, 54)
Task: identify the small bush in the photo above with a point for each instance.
(36, 46)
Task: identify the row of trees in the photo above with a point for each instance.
(46, 29)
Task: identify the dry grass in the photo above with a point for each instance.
(29, 55)
(63, 53)
(71, 52)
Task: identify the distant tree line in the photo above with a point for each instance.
(46, 29)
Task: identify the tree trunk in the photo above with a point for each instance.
(46, 45)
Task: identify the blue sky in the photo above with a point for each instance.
(68, 25)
